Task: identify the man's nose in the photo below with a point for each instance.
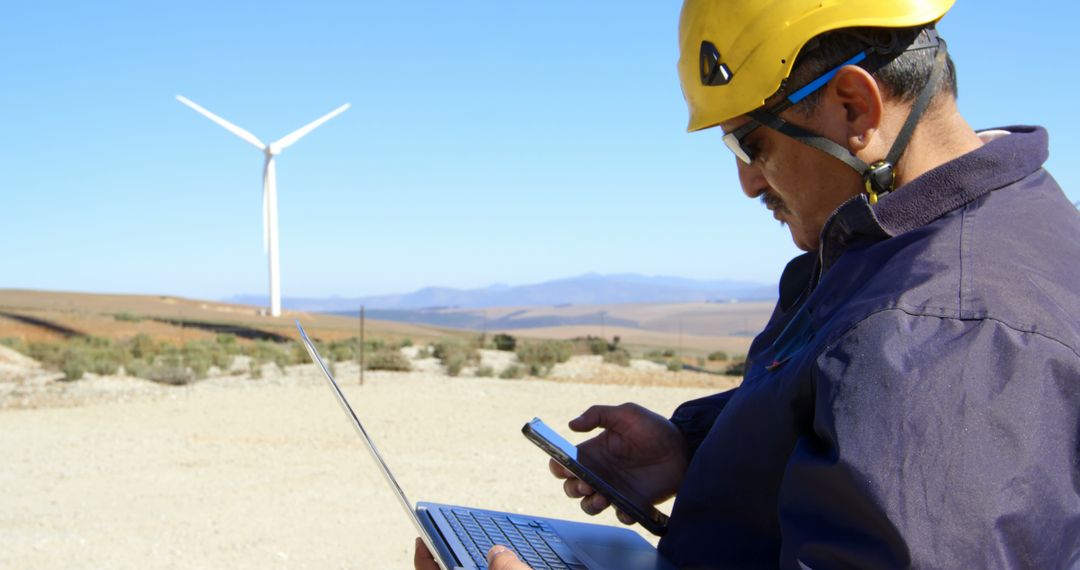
(750, 178)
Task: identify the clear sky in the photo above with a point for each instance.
(488, 142)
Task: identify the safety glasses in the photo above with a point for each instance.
(770, 117)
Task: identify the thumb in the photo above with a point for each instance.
(609, 417)
(502, 558)
(592, 418)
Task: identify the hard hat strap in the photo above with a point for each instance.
(880, 178)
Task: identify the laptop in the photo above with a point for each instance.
(460, 537)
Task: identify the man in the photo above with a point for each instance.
(914, 400)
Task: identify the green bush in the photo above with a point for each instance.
(485, 372)
(73, 364)
(170, 369)
(255, 369)
(455, 354)
(540, 357)
(406, 342)
(717, 356)
(229, 343)
(222, 359)
(16, 344)
(388, 359)
(128, 317)
(104, 362)
(674, 365)
(737, 368)
(49, 354)
(142, 346)
(619, 356)
(513, 371)
(668, 353)
(342, 351)
(599, 346)
(504, 342)
(137, 368)
(454, 363)
(263, 351)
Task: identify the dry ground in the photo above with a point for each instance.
(237, 473)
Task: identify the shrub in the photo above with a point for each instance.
(137, 368)
(255, 369)
(674, 365)
(485, 372)
(454, 363)
(262, 351)
(717, 356)
(599, 346)
(513, 371)
(455, 354)
(423, 352)
(388, 359)
(222, 359)
(49, 354)
(343, 351)
(540, 357)
(104, 362)
(142, 346)
(737, 368)
(406, 342)
(668, 353)
(619, 356)
(73, 364)
(16, 344)
(128, 317)
(229, 343)
(170, 369)
(504, 342)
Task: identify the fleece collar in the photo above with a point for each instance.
(1002, 161)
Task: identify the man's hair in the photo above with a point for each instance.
(902, 74)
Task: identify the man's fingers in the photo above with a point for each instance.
(594, 504)
(422, 558)
(576, 488)
(623, 517)
(502, 558)
(558, 470)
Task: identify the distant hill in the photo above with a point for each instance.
(589, 289)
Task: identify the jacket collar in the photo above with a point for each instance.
(996, 164)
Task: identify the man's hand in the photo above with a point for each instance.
(643, 445)
(498, 558)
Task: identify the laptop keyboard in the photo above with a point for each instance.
(534, 541)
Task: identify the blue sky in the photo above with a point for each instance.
(509, 142)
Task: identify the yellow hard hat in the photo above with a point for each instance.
(735, 54)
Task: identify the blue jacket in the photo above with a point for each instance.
(915, 398)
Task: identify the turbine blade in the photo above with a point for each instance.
(296, 135)
(228, 126)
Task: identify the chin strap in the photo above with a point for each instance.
(880, 177)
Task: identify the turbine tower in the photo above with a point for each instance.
(270, 218)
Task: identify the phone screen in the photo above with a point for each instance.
(607, 481)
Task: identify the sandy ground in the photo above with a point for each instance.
(231, 472)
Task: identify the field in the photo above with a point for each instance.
(245, 470)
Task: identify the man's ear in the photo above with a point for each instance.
(856, 92)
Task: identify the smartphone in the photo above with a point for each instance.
(607, 481)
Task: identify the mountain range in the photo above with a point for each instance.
(588, 289)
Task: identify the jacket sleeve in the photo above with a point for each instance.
(695, 418)
(937, 443)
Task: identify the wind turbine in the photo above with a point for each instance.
(270, 218)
